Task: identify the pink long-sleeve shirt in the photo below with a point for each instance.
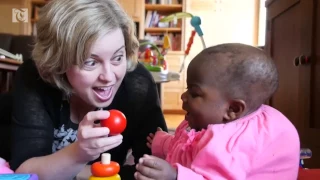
(263, 145)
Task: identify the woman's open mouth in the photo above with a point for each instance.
(103, 93)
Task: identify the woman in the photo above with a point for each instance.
(85, 58)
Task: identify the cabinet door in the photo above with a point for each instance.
(172, 90)
(289, 35)
(133, 8)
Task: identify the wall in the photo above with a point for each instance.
(224, 21)
(6, 24)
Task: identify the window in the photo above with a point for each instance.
(262, 23)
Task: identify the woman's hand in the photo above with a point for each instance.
(151, 167)
(150, 138)
(93, 139)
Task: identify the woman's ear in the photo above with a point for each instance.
(235, 110)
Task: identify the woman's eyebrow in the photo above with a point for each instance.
(96, 56)
(119, 49)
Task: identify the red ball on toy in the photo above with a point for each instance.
(116, 122)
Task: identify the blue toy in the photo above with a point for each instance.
(195, 23)
(18, 177)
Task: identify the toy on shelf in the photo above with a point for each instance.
(155, 62)
(105, 169)
(5, 53)
(116, 122)
(195, 23)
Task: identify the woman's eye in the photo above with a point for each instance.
(90, 63)
(118, 58)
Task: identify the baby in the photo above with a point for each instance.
(228, 132)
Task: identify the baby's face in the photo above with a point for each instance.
(204, 103)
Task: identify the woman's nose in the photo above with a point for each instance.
(107, 73)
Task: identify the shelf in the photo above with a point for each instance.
(162, 30)
(10, 61)
(39, 2)
(164, 7)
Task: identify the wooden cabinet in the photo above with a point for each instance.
(172, 91)
(293, 36)
(133, 8)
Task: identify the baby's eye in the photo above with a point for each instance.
(191, 92)
(194, 95)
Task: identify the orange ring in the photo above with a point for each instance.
(105, 170)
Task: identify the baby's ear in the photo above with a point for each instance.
(236, 109)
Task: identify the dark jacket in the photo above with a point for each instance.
(37, 111)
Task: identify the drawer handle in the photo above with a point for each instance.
(302, 60)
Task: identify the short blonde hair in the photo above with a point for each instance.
(66, 31)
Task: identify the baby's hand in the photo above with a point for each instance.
(151, 167)
(150, 138)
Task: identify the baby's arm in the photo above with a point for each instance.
(161, 141)
(160, 144)
(213, 161)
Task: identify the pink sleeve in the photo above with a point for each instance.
(160, 144)
(214, 161)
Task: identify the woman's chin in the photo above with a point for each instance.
(102, 104)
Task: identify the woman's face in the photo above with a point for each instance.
(98, 79)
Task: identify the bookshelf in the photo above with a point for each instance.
(164, 7)
(154, 30)
(163, 30)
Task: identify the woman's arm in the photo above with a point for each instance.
(32, 132)
(59, 165)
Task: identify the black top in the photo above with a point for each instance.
(42, 125)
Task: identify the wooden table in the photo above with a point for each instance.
(171, 76)
(7, 69)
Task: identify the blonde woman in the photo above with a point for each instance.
(84, 58)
